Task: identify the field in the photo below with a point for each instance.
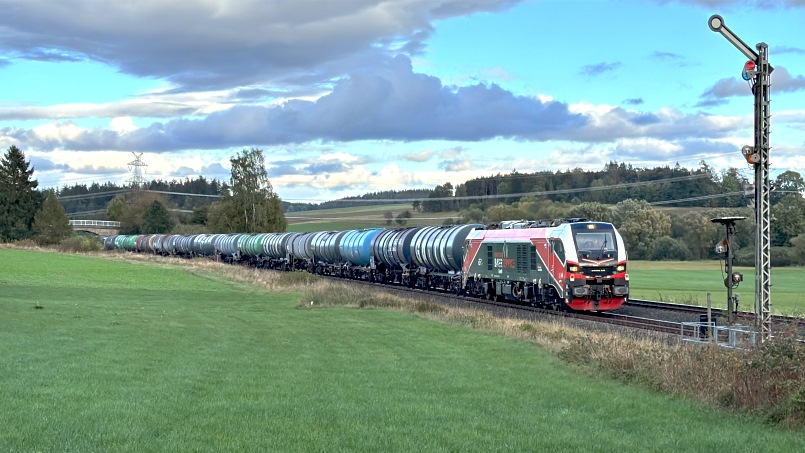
(110, 355)
(688, 282)
(369, 216)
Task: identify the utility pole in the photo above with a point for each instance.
(757, 71)
(135, 167)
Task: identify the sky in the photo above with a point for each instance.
(346, 97)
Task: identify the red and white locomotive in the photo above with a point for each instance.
(578, 264)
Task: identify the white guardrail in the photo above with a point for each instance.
(95, 223)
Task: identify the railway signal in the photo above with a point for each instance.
(733, 278)
(758, 72)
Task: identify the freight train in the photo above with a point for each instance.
(567, 264)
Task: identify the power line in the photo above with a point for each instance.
(183, 193)
(526, 194)
(703, 197)
(94, 195)
(113, 192)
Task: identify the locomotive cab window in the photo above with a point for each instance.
(559, 249)
(595, 241)
(595, 244)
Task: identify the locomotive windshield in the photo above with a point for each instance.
(599, 240)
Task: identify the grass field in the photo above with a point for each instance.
(369, 216)
(106, 355)
(688, 282)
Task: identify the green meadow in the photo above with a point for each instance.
(110, 355)
(688, 282)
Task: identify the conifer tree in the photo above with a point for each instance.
(19, 199)
(157, 219)
(51, 224)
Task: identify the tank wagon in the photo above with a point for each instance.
(573, 264)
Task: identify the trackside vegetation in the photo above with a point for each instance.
(133, 353)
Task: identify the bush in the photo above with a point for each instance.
(26, 244)
(666, 248)
(783, 256)
(295, 278)
(745, 257)
(79, 244)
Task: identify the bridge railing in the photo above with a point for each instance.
(95, 223)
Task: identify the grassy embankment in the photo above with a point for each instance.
(99, 354)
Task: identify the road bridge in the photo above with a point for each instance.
(99, 227)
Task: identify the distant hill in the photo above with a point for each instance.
(382, 197)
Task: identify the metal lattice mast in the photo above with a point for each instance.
(762, 90)
(135, 167)
(758, 71)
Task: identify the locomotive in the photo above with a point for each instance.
(563, 264)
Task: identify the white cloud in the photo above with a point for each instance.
(122, 124)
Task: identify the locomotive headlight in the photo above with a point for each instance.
(621, 268)
(573, 268)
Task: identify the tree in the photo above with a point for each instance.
(789, 182)
(222, 217)
(249, 204)
(51, 224)
(199, 216)
(697, 232)
(502, 212)
(666, 248)
(389, 216)
(593, 211)
(19, 200)
(788, 219)
(157, 219)
(402, 218)
(116, 209)
(444, 191)
(640, 225)
(132, 220)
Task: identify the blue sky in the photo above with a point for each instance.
(353, 96)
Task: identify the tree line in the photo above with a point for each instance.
(699, 187)
(247, 203)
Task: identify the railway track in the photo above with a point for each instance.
(665, 319)
(785, 323)
(525, 312)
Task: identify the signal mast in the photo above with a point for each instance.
(757, 71)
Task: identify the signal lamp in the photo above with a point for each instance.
(748, 71)
(750, 154)
(722, 247)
